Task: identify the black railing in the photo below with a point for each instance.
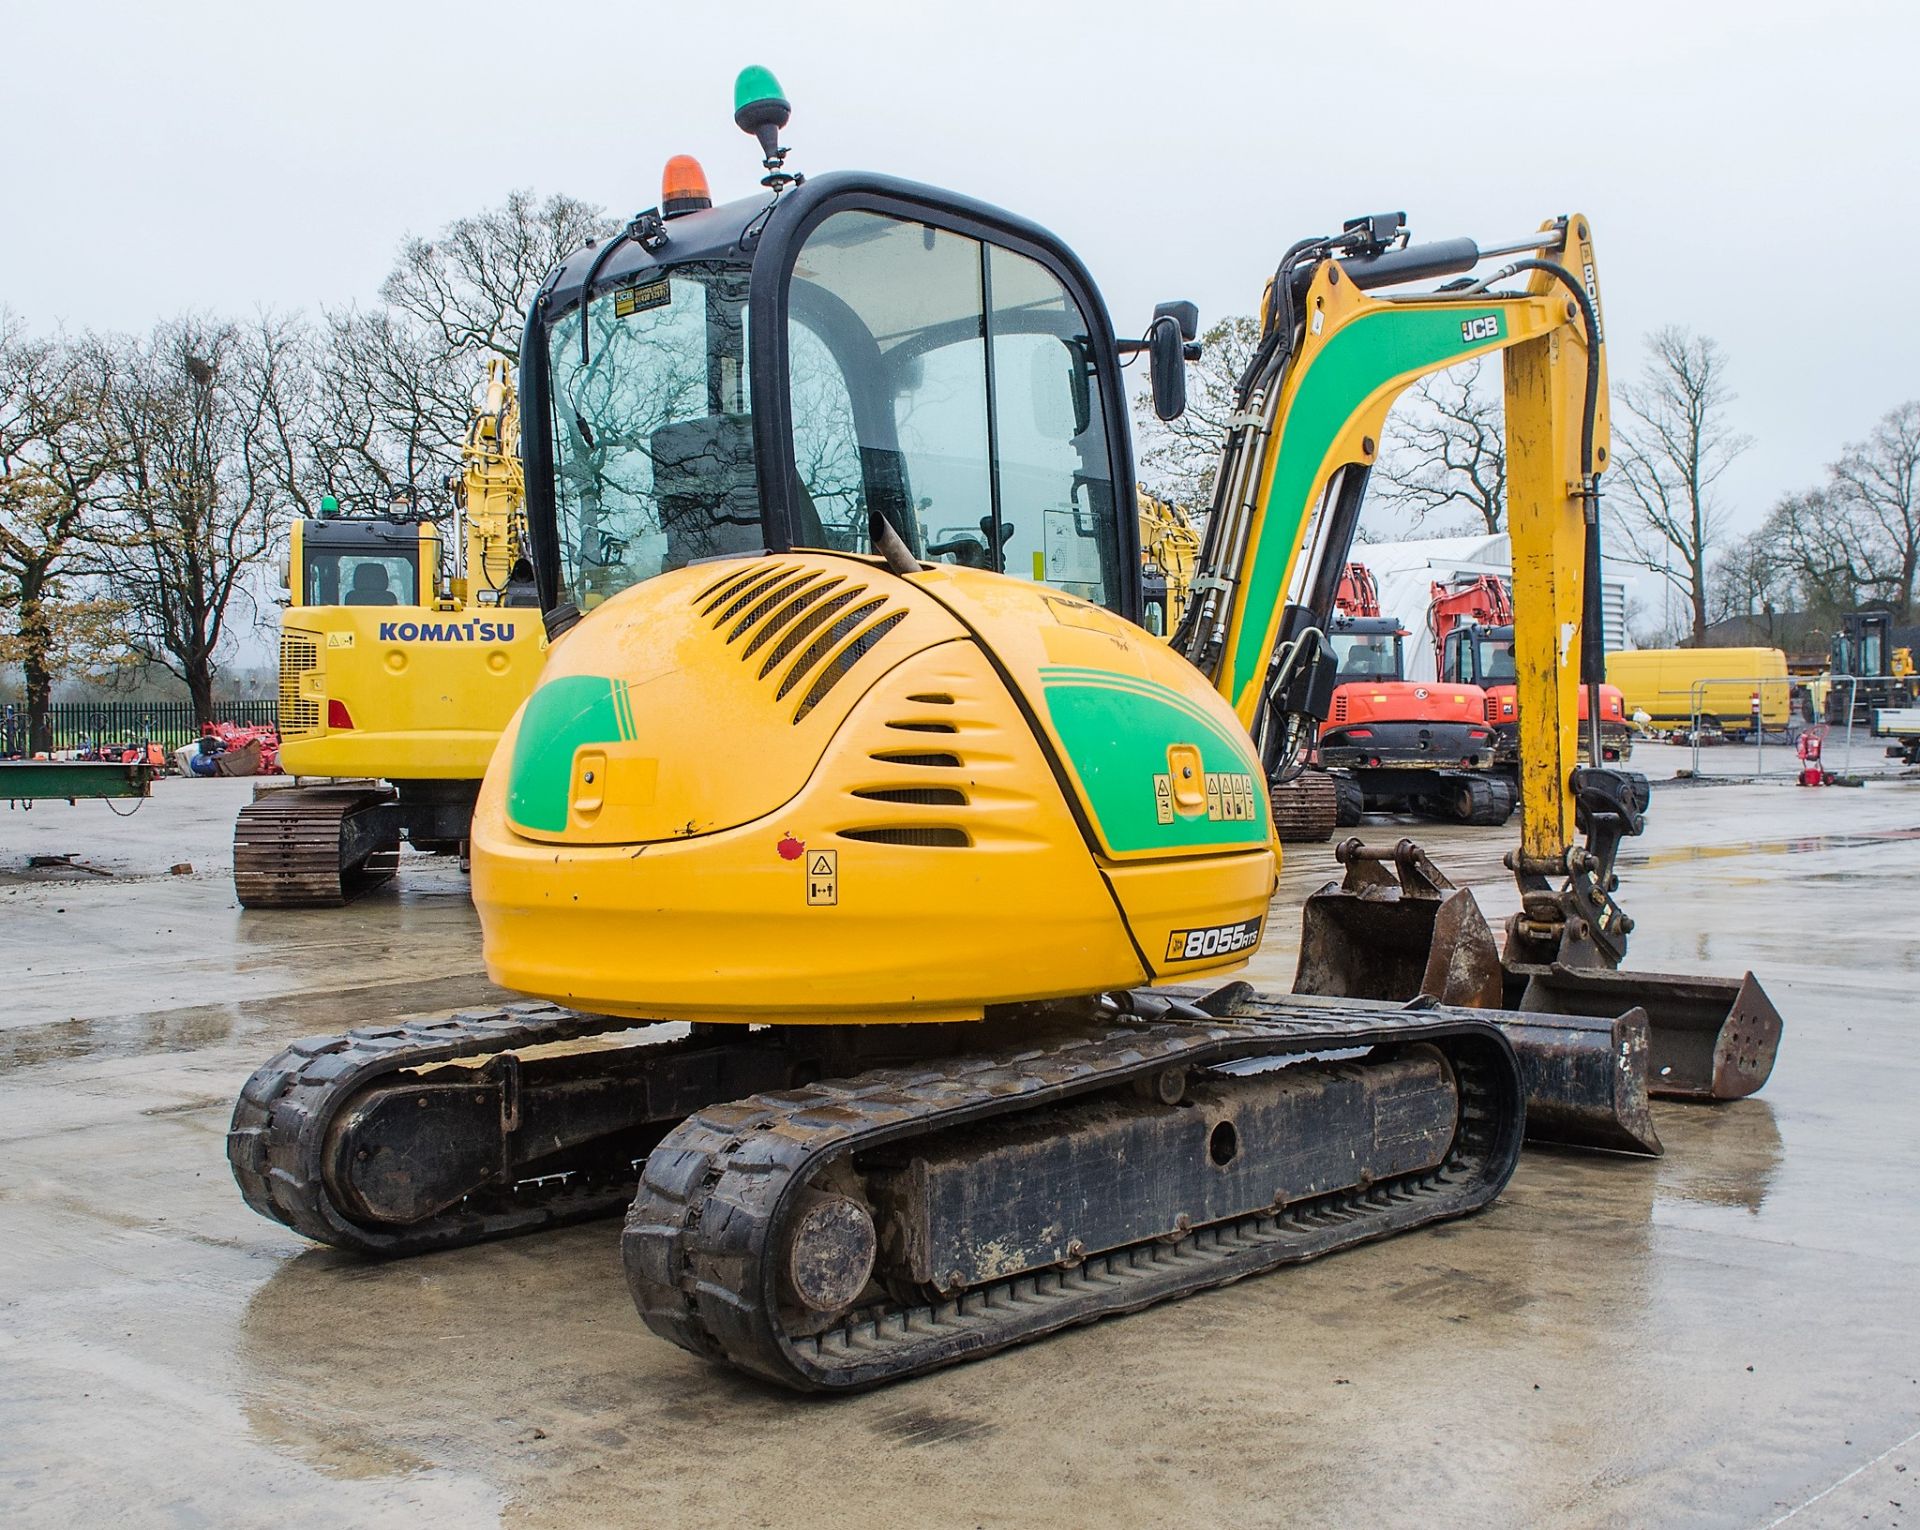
(84, 724)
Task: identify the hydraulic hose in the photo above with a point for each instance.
(614, 241)
(1221, 546)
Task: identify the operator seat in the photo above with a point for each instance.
(370, 587)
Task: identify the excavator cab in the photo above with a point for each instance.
(357, 560)
(728, 383)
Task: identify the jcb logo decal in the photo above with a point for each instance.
(1486, 327)
(1216, 940)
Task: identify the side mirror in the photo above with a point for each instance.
(1168, 343)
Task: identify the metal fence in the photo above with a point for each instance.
(83, 724)
(1761, 751)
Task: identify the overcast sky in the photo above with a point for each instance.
(1748, 167)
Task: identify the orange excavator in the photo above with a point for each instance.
(1396, 744)
(1472, 623)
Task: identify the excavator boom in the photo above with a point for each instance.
(1289, 492)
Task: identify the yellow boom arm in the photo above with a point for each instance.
(491, 494)
(1309, 429)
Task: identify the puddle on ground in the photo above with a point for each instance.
(1807, 844)
(201, 1025)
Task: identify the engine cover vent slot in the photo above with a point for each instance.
(799, 601)
(725, 585)
(924, 727)
(846, 658)
(928, 838)
(915, 796)
(933, 699)
(740, 596)
(915, 757)
(781, 590)
(807, 625)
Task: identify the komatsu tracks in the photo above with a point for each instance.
(843, 1233)
(313, 846)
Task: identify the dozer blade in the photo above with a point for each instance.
(1408, 935)
(1712, 1038)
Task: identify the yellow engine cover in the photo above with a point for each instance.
(800, 788)
(424, 693)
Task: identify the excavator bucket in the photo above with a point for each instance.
(1409, 934)
(1397, 933)
(1712, 1038)
(1396, 928)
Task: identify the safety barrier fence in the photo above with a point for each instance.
(93, 724)
(1764, 693)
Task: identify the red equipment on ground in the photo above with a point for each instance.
(233, 749)
(1813, 771)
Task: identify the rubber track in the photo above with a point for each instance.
(701, 1241)
(1305, 809)
(1494, 799)
(286, 848)
(277, 1142)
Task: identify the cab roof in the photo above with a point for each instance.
(731, 232)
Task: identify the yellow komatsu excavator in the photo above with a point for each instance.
(893, 867)
(394, 685)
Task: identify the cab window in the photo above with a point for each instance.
(653, 430)
(1496, 662)
(360, 579)
(947, 383)
(1367, 656)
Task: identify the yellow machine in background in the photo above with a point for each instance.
(1169, 544)
(1713, 687)
(394, 681)
(907, 814)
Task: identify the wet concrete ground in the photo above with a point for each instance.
(1724, 1337)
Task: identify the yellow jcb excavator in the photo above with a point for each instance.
(908, 840)
(394, 686)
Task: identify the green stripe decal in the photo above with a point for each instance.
(1116, 730)
(1369, 353)
(559, 717)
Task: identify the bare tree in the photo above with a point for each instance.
(1878, 481)
(469, 287)
(1178, 457)
(1672, 444)
(1449, 450)
(1750, 580)
(53, 455)
(1820, 551)
(207, 422)
(394, 384)
(390, 408)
